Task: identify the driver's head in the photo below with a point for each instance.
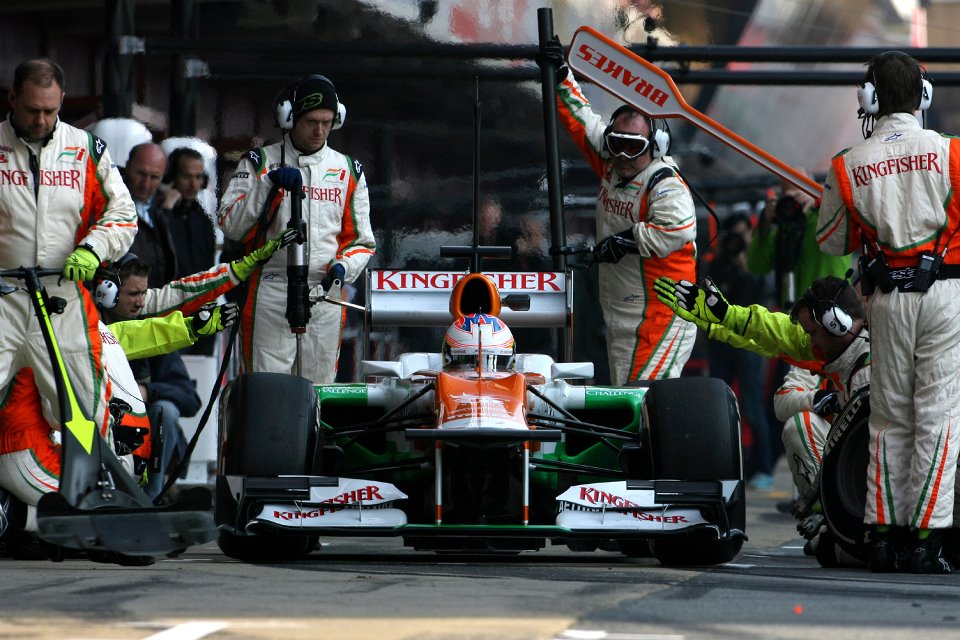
(478, 341)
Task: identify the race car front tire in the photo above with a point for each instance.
(265, 547)
(269, 425)
(694, 431)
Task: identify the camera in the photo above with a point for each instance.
(732, 243)
(787, 210)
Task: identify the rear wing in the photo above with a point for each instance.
(419, 298)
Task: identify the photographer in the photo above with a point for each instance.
(785, 242)
(729, 271)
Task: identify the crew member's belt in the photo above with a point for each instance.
(904, 277)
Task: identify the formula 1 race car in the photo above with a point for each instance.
(477, 449)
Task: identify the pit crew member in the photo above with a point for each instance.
(894, 196)
(339, 239)
(646, 226)
(62, 202)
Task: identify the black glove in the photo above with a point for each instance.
(552, 54)
(334, 276)
(613, 248)
(826, 402)
(289, 178)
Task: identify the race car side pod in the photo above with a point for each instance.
(99, 507)
(298, 304)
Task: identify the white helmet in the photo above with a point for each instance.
(476, 335)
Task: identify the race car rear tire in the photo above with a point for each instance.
(269, 425)
(694, 431)
(843, 476)
(265, 547)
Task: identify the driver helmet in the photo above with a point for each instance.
(479, 340)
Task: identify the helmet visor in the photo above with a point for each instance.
(626, 145)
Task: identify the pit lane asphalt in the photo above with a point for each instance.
(356, 589)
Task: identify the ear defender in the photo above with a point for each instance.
(106, 294)
(926, 94)
(836, 321)
(870, 104)
(283, 112)
(286, 99)
(660, 140)
(867, 97)
(833, 317)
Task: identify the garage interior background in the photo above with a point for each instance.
(410, 71)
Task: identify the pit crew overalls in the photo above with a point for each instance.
(336, 210)
(29, 449)
(645, 341)
(66, 195)
(897, 192)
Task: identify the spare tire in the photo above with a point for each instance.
(843, 475)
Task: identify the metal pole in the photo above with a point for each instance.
(558, 234)
(117, 62)
(548, 80)
(183, 24)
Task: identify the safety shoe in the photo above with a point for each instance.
(926, 555)
(6, 507)
(885, 550)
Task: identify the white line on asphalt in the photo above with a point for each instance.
(188, 631)
(589, 634)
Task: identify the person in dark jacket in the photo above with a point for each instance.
(153, 243)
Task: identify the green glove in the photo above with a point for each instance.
(212, 318)
(706, 302)
(81, 265)
(245, 266)
(666, 290)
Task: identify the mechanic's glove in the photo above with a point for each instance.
(826, 402)
(289, 178)
(81, 265)
(666, 291)
(613, 248)
(334, 276)
(553, 55)
(243, 267)
(706, 302)
(213, 317)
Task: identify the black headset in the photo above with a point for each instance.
(659, 136)
(828, 314)
(107, 292)
(284, 101)
(870, 102)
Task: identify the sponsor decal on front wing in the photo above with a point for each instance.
(353, 503)
(610, 505)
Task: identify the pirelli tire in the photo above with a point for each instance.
(268, 427)
(265, 547)
(694, 434)
(843, 476)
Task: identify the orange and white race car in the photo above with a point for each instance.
(478, 448)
